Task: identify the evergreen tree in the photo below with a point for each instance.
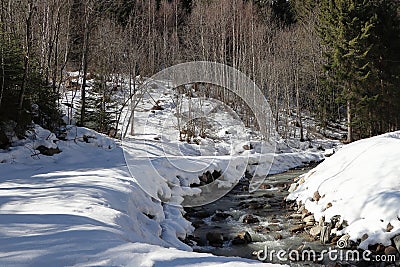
(303, 9)
(11, 77)
(384, 114)
(349, 29)
(39, 103)
(101, 106)
(283, 11)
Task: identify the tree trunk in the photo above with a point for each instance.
(83, 89)
(85, 54)
(2, 75)
(298, 109)
(349, 123)
(28, 44)
(56, 53)
(2, 22)
(133, 98)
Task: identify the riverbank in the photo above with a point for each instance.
(299, 217)
(353, 198)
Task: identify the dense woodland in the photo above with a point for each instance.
(335, 60)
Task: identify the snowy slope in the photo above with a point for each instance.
(81, 207)
(86, 206)
(362, 183)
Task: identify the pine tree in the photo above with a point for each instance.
(11, 76)
(100, 113)
(39, 103)
(345, 27)
(303, 9)
(283, 11)
(385, 112)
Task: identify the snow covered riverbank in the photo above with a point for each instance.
(86, 206)
(82, 207)
(361, 183)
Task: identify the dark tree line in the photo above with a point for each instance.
(362, 62)
(335, 60)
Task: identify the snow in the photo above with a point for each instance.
(155, 152)
(150, 255)
(105, 203)
(362, 183)
(82, 208)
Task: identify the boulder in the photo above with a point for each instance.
(364, 237)
(267, 206)
(201, 214)
(48, 151)
(380, 248)
(343, 242)
(215, 239)
(264, 187)
(309, 220)
(302, 207)
(206, 178)
(216, 174)
(220, 216)
(310, 223)
(305, 212)
(4, 141)
(297, 228)
(250, 219)
(390, 250)
(262, 229)
(242, 238)
(246, 147)
(157, 107)
(256, 206)
(198, 223)
(335, 239)
(396, 241)
(316, 231)
(316, 196)
(275, 227)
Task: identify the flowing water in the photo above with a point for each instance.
(271, 232)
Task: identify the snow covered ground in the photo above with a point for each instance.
(86, 206)
(81, 207)
(360, 183)
(174, 165)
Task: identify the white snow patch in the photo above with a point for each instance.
(82, 208)
(362, 182)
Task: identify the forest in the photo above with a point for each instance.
(337, 61)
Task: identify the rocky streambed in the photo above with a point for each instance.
(262, 224)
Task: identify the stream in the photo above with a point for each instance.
(264, 215)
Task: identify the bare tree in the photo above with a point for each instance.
(27, 48)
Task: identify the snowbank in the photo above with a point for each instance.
(85, 207)
(81, 207)
(362, 184)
